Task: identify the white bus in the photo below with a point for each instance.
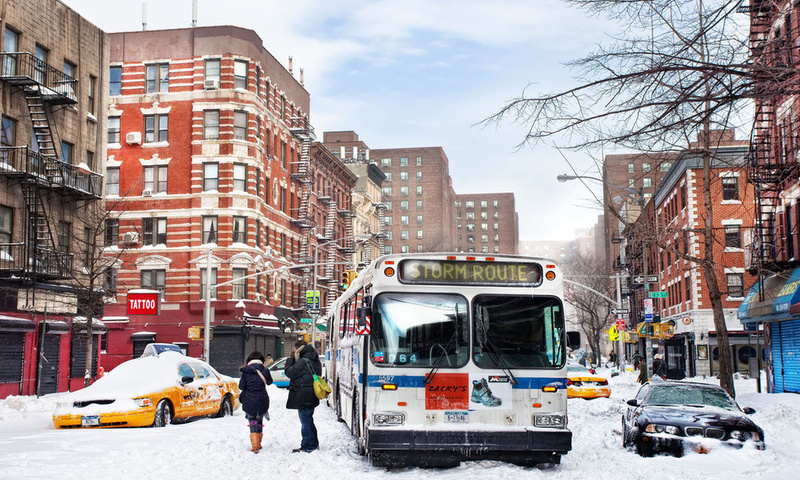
(438, 358)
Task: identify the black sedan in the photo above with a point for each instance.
(674, 417)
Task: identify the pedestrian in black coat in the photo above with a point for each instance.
(254, 397)
(299, 366)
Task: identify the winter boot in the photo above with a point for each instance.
(260, 437)
(483, 395)
(255, 443)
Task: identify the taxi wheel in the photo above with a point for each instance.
(163, 414)
(225, 408)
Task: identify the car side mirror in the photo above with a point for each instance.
(749, 410)
(187, 379)
(633, 403)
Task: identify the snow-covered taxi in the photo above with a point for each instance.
(583, 383)
(152, 390)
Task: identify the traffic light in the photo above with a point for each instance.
(345, 280)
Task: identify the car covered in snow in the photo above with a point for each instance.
(585, 383)
(676, 417)
(152, 390)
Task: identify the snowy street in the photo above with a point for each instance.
(30, 447)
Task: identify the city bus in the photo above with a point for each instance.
(435, 359)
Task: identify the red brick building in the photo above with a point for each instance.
(486, 223)
(210, 153)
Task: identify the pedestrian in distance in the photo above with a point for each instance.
(301, 368)
(659, 366)
(254, 397)
(268, 360)
(643, 371)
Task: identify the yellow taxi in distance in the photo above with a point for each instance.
(152, 390)
(582, 383)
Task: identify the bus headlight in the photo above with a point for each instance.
(549, 421)
(388, 418)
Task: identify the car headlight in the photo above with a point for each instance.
(742, 435)
(549, 421)
(388, 418)
(657, 428)
(143, 402)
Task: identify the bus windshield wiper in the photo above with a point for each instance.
(488, 345)
(444, 351)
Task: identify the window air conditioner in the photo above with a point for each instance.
(130, 238)
(133, 138)
(258, 297)
(147, 192)
(211, 84)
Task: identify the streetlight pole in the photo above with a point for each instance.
(207, 311)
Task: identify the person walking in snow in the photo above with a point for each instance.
(299, 368)
(642, 371)
(254, 397)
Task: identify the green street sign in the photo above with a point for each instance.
(322, 328)
(658, 294)
(305, 320)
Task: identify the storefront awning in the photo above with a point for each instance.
(781, 299)
(16, 324)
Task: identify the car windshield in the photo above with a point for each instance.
(689, 395)
(420, 330)
(577, 369)
(518, 331)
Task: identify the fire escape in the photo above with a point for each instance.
(45, 181)
(771, 162)
(301, 172)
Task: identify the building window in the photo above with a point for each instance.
(646, 167)
(239, 229)
(419, 204)
(404, 191)
(403, 176)
(484, 226)
(419, 234)
(115, 81)
(647, 182)
(91, 100)
(386, 162)
(497, 226)
(90, 159)
(403, 219)
(470, 215)
(210, 229)
(211, 125)
(113, 129)
(210, 176)
(157, 77)
(240, 74)
(419, 189)
(283, 154)
(665, 166)
(112, 232)
(735, 285)
(403, 234)
(404, 205)
(239, 284)
(386, 190)
(154, 231)
(419, 175)
(730, 188)
(63, 236)
(419, 219)
(212, 69)
(10, 45)
(485, 215)
(112, 181)
(66, 152)
(470, 238)
(631, 182)
(156, 128)
(6, 222)
(258, 233)
(404, 249)
(240, 177)
(630, 168)
(204, 283)
(155, 179)
(403, 161)
(240, 125)
(470, 227)
(155, 280)
(469, 204)
(733, 236)
(497, 249)
(8, 137)
(388, 177)
(419, 161)
(485, 238)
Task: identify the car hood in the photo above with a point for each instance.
(695, 416)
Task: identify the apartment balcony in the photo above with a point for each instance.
(27, 165)
(26, 71)
(19, 260)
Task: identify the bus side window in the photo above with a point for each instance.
(343, 321)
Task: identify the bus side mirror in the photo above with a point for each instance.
(363, 320)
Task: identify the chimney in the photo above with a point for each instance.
(194, 13)
(144, 16)
(301, 78)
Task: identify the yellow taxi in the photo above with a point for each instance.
(152, 390)
(582, 383)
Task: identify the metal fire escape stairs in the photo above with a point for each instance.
(301, 172)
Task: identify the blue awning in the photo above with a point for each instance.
(781, 293)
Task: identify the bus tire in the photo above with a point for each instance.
(355, 426)
(338, 406)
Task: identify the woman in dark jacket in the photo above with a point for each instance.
(254, 397)
(301, 392)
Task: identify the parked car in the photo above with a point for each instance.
(584, 383)
(276, 368)
(675, 417)
(152, 390)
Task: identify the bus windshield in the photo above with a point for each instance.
(517, 332)
(420, 330)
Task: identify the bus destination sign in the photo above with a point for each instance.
(457, 272)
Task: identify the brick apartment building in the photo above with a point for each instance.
(486, 223)
(53, 83)
(672, 222)
(210, 152)
(419, 198)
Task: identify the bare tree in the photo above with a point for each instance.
(678, 69)
(589, 292)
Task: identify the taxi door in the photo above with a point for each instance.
(210, 389)
(190, 404)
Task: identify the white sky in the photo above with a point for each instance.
(416, 73)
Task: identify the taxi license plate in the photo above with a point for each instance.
(90, 421)
(456, 417)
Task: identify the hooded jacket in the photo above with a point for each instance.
(253, 391)
(301, 381)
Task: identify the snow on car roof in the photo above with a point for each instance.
(137, 377)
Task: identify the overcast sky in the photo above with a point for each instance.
(419, 73)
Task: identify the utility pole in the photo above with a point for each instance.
(207, 314)
(621, 353)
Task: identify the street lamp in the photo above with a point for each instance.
(638, 197)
